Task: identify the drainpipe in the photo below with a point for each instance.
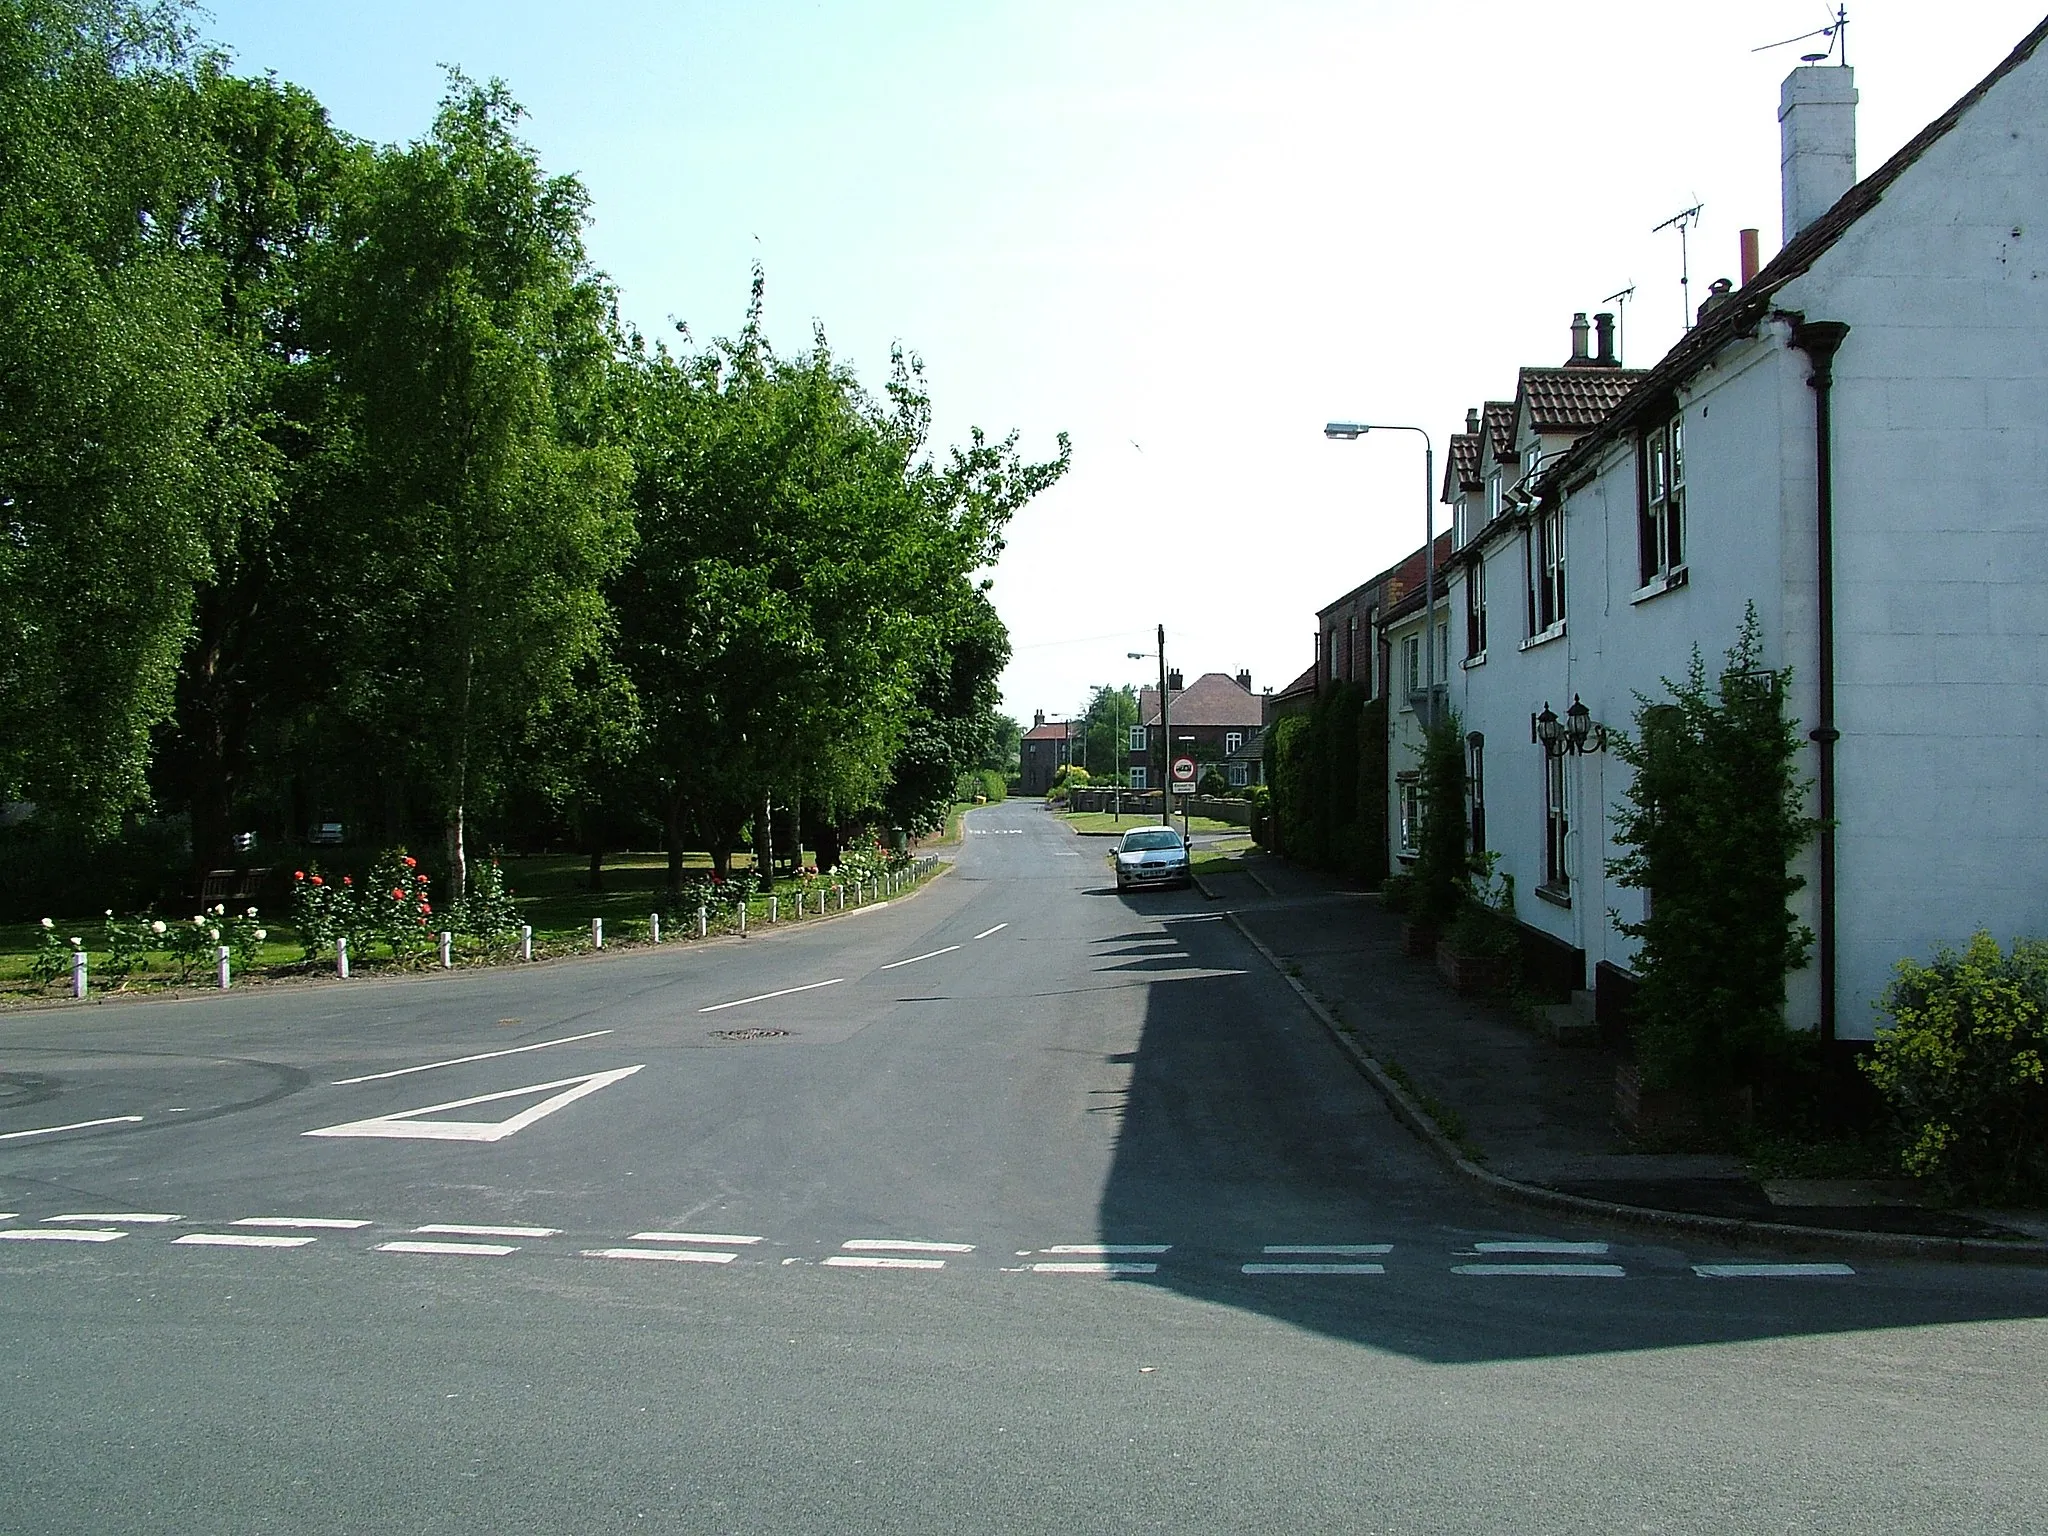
(1819, 340)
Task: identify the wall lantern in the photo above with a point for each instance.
(1575, 733)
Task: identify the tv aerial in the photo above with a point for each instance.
(1684, 221)
(1619, 299)
(1836, 32)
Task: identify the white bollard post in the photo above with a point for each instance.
(78, 973)
(525, 941)
(703, 921)
(597, 933)
(341, 958)
(220, 966)
(654, 927)
(743, 917)
(774, 909)
(799, 903)
(447, 946)
(840, 892)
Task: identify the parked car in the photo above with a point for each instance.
(1151, 856)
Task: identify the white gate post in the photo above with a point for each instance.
(597, 933)
(447, 945)
(654, 927)
(526, 941)
(743, 917)
(220, 966)
(774, 909)
(78, 973)
(341, 957)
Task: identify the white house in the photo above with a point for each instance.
(1856, 440)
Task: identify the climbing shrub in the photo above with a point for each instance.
(1443, 857)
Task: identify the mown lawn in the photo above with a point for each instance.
(1108, 821)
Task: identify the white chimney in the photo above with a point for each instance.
(1817, 128)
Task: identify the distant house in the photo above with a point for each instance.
(1209, 722)
(1044, 750)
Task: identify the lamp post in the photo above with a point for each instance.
(1351, 432)
(1165, 731)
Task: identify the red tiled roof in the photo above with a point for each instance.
(1500, 426)
(1574, 399)
(1052, 730)
(1211, 699)
(1306, 683)
(1463, 469)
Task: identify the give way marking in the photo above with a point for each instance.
(408, 1124)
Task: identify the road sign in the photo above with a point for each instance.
(1184, 770)
(1182, 789)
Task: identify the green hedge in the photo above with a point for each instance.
(1328, 773)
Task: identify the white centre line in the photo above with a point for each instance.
(1768, 1271)
(895, 1245)
(1597, 1271)
(59, 1235)
(915, 958)
(457, 1061)
(76, 1125)
(8, 1215)
(1539, 1247)
(879, 1261)
(999, 927)
(722, 1239)
(763, 997)
(126, 1218)
(1315, 1269)
(1090, 1267)
(673, 1255)
(455, 1229)
(306, 1223)
(1331, 1250)
(1101, 1249)
(493, 1250)
(241, 1240)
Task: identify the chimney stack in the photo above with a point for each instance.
(1817, 132)
(1173, 682)
(1606, 357)
(1244, 680)
(1472, 421)
(1038, 719)
(1718, 292)
(1750, 265)
(1580, 356)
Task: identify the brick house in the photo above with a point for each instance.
(1210, 721)
(1044, 750)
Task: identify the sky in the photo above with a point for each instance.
(1187, 235)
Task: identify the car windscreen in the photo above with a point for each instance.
(1138, 842)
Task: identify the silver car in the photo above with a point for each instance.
(1151, 856)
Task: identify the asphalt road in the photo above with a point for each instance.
(1037, 1209)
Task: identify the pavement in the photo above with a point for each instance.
(1533, 1119)
(1015, 1205)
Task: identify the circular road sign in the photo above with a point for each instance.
(1184, 769)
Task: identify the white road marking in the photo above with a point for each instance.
(999, 927)
(59, 1235)
(878, 1261)
(126, 1218)
(721, 1238)
(76, 1125)
(915, 958)
(492, 1250)
(1065, 853)
(1315, 1269)
(307, 1223)
(241, 1240)
(1092, 1267)
(895, 1245)
(1598, 1271)
(763, 997)
(8, 1215)
(457, 1061)
(1768, 1271)
(1328, 1249)
(455, 1229)
(409, 1125)
(1539, 1247)
(1108, 1248)
(673, 1255)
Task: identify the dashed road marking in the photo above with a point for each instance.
(457, 1061)
(762, 997)
(486, 1250)
(457, 1229)
(1107, 1249)
(673, 1255)
(893, 964)
(1593, 1271)
(76, 1125)
(305, 1223)
(1330, 1250)
(722, 1239)
(880, 1261)
(1769, 1271)
(1315, 1269)
(1090, 1267)
(60, 1235)
(900, 1245)
(125, 1218)
(999, 927)
(241, 1240)
(1539, 1247)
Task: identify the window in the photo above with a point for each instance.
(1232, 740)
(1660, 529)
(1330, 650)
(1492, 500)
(1411, 663)
(1442, 669)
(1557, 821)
(1549, 562)
(1351, 651)
(1475, 609)
(1411, 814)
(1240, 774)
(1137, 738)
(1475, 788)
(1138, 774)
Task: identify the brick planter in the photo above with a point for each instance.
(1473, 975)
(1654, 1114)
(1418, 939)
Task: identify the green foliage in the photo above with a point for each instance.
(986, 783)
(1964, 1067)
(1443, 865)
(1327, 774)
(1485, 923)
(1112, 711)
(1713, 820)
(1212, 783)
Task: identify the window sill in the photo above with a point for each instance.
(1544, 636)
(1669, 581)
(1556, 895)
(1476, 659)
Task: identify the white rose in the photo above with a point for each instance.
(75, 944)
(157, 926)
(47, 923)
(221, 909)
(252, 911)
(262, 934)
(214, 934)
(110, 911)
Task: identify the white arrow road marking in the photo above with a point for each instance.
(241, 1240)
(76, 1125)
(457, 1061)
(408, 1125)
(915, 958)
(764, 996)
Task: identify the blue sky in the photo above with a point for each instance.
(1185, 234)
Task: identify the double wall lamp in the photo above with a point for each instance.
(1577, 732)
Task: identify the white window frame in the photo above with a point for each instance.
(1240, 775)
(1232, 740)
(1135, 740)
(1557, 822)
(1409, 791)
(1411, 663)
(1138, 774)
(1660, 529)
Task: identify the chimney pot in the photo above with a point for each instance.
(1717, 295)
(1579, 328)
(1606, 357)
(1817, 134)
(1750, 265)
(1038, 718)
(1173, 682)
(1244, 680)
(1472, 421)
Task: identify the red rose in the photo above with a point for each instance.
(421, 878)
(425, 908)
(345, 879)
(397, 895)
(298, 874)
(318, 881)
(411, 862)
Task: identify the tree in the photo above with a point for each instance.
(1112, 711)
(474, 350)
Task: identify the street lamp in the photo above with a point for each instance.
(1165, 729)
(1351, 432)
